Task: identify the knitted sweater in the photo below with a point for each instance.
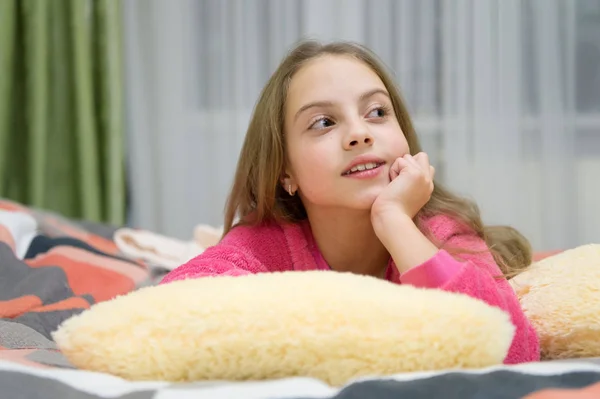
(286, 247)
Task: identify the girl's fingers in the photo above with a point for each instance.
(412, 162)
(420, 161)
(423, 160)
(397, 167)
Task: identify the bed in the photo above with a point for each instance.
(52, 268)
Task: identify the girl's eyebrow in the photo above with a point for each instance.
(313, 105)
(371, 93)
(362, 97)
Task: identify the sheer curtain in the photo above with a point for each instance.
(505, 95)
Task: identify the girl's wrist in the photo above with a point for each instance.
(387, 222)
(406, 244)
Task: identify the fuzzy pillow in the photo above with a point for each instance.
(327, 325)
(561, 296)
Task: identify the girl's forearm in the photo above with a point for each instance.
(406, 244)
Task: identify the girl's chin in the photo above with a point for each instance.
(366, 200)
(355, 199)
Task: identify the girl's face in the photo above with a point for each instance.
(341, 133)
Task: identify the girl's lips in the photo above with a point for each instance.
(362, 160)
(366, 174)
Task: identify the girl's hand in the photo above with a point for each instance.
(410, 187)
(393, 211)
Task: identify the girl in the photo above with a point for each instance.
(331, 176)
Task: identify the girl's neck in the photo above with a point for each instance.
(347, 241)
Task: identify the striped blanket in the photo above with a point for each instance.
(52, 268)
(529, 381)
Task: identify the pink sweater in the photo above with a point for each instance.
(286, 247)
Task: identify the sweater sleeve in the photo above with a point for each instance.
(244, 250)
(476, 274)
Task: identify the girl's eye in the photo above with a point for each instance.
(322, 123)
(378, 112)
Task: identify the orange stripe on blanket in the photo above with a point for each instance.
(85, 277)
(16, 307)
(67, 304)
(127, 269)
(7, 238)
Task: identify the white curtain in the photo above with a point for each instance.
(505, 95)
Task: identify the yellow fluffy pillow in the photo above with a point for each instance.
(327, 325)
(561, 296)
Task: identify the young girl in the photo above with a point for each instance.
(331, 177)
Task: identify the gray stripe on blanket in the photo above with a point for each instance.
(495, 385)
(49, 284)
(19, 385)
(19, 336)
(46, 322)
(50, 358)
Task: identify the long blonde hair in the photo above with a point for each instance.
(257, 196)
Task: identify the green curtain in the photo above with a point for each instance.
(61, 107)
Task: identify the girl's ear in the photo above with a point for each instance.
(289, 183)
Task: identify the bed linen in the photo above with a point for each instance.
(19, 381)
(53, 268)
